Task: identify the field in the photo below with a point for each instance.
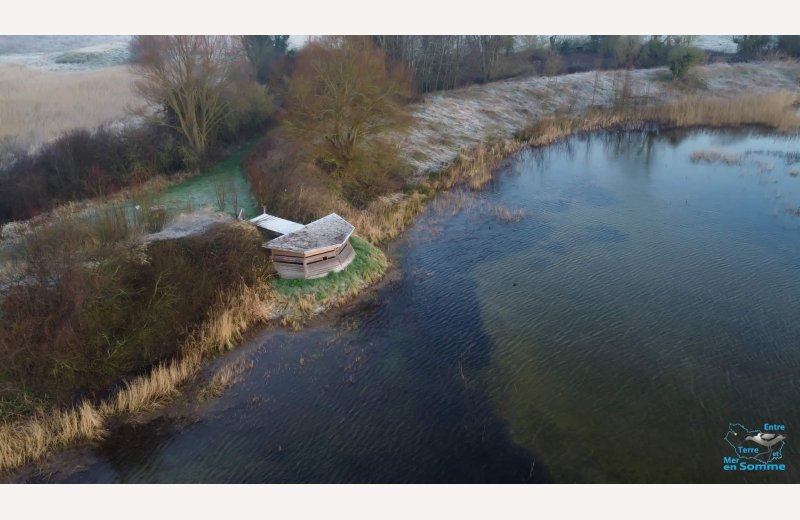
(40, 105)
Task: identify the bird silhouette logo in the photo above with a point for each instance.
(755, 444)
(768, 440)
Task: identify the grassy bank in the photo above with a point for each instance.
(387, 217)
(302, 298)
(232, 289)
(223, 187)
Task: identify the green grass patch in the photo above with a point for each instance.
(202, 191)
(369, 264)
(20, 404)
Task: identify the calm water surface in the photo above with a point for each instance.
(638, 304)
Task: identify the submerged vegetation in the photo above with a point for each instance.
(713, 156)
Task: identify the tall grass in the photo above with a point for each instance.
(475, 168)
(713, 156)
(37, 106)
(507, 214)
(386, 217)
(775, 110)
(30, 440)
(224, 378)
(231, 316)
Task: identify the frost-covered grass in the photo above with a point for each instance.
(448, 123)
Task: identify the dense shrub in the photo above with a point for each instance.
(654, 52)
(681, 59)
(84, 164)
(87, 316)
(789, 45)
(623, 50)
(250, 113)
(286, 182)
(751, 46)
(553, 64)
(375, 171)
(608, 52)
(270, 59)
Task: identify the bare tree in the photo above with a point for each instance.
(263, 51)
(488, 49)
(343, 94)
(187, 76)
(434, 60)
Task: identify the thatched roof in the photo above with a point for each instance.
(327, 232)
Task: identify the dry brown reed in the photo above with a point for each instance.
(29, 440)
(775, 110)
(715, 156)
(508, 214)
(772, 109)
(476, 168)
(37, 105)
(33, 439)
(386, 217)
(231, 317)
(224, 378)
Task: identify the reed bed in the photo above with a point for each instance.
(35, 438)
(224, 378)
(476, 168)
(506, 214)
(776, 110)
(716, 156)
(37, 106)
(386, 217)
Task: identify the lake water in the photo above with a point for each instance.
(634, 305)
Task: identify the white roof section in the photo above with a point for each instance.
(329, 231)
(276, 224)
